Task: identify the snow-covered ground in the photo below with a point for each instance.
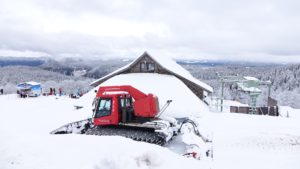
(26, 143)
(239, 140)
(254, 141)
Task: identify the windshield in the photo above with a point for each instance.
(103, 108)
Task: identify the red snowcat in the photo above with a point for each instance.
(128, 112)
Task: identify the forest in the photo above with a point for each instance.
(72, 75)
(284, 78)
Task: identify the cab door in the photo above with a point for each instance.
(105, 112)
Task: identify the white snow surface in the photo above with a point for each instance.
(239, 140)
(25, 125)
(166, 87)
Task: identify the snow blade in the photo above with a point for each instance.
(78, 127)
(146, 133)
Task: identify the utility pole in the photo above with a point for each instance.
(269, 90)
(222, 93)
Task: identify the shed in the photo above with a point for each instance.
(30, 88)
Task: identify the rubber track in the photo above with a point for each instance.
(132, 133)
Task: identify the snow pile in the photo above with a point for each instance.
(166, 87)
(86, 152)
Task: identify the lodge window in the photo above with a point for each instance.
(147, 67)
(150, 67)
(143, 67)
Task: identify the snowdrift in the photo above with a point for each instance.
(166, 87)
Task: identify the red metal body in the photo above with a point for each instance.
(143, 105)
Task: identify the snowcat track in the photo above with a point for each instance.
(138, 134)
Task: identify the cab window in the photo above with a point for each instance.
(128, 102)
(103, 108)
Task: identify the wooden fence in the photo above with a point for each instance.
(271, 111)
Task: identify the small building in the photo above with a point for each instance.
(160, 65)
(31, 88)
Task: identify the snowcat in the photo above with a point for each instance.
(128, 112)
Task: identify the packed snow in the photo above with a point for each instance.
(239, 140)
(25, 125)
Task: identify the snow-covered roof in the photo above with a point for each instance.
(250, 84)
(249, 89)
(250, 78)
(184, 101)
(166, 63)
(27, 85)
(33, 83)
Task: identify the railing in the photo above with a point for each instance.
(271, 111)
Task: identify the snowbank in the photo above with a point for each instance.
(166, 87)
(86, 152)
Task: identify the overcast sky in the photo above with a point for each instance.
(256, 30)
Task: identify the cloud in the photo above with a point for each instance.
(255, 30)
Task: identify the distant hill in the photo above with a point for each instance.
(92, 68)
(19, 61)
(217, 63)
(12, 75)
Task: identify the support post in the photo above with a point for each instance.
(269, 90)
(222, 93)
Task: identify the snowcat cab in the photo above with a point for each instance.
(123, 104)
